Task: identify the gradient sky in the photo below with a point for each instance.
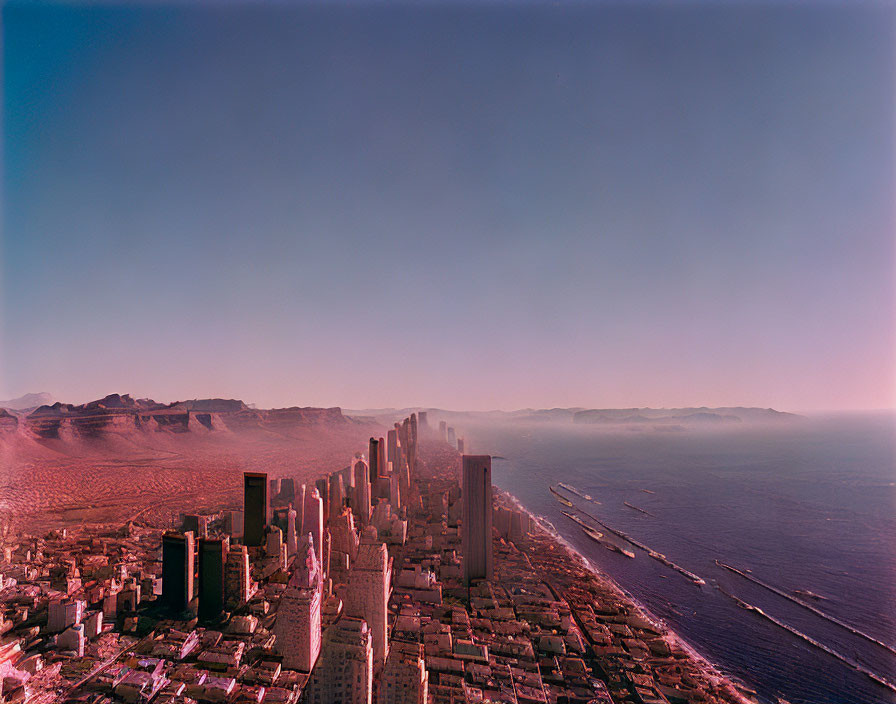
(461, 205)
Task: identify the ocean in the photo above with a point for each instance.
(804, 505)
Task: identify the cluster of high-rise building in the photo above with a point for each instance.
(393, 580)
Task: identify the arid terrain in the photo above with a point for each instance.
(118, 458)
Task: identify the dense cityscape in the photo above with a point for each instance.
(401, 578)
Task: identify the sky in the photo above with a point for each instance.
(461, 205)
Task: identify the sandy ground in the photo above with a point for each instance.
(155, 476)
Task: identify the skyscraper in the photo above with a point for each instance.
(323, 489)
(313, 518)
(477, 517)
(256, 507)
(292, 531)
(361, 494)
(212, 557)
(337, 495)
(392, 446)
(238, 580)
(177, 571)
(373, 459)
(298, 617)
(370, 585)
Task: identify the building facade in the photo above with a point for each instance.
(476, 542)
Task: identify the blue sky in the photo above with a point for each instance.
(463, 205)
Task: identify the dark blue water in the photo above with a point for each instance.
(809, 505)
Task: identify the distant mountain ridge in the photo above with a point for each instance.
(121, 414)
(23, 403)
(702, 416)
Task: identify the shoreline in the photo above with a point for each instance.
(739, 690)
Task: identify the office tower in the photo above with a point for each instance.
(404, 679)
(238, 584)
(381, 463)
(337, 495)
(460, 445)
(292, 537)
(344, 672)
(443, 431)
(212, 557)
(370, 584)
(404, 437)
(313, 516)
(452, 438)
(298, 617)
(373, 458)
(395, 492)
(477, 517)
(323, 490)
(412, 444)
(275, 489)
(177, 571)
(423, 420)
(392, 446)
(361, 494)
(256, 507)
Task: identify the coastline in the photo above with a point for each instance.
(736, 690)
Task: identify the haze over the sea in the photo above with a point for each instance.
(468, 206)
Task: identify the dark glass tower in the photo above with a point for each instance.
(255, 507)
(212, 556)
(177, 571)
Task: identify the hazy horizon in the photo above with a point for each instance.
(385, 410)
(453, 205)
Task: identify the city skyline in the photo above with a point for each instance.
(455, 207)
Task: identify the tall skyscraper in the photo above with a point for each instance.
(477, 517)
(177, 571)
(361, 494)
(373, 459)
(256, 507)
(237, 577)
(313, 518)
(370, 585)
(212, 557)
(323, 489)
(298, 617)
(292, 531)
(337, 495)
(392, 446)
(345, 671)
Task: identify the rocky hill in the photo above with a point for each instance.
(118, 414)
